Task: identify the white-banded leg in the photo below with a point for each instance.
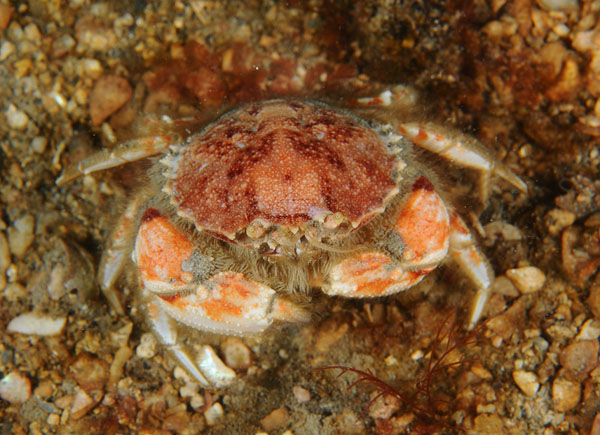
(472, 262)
(448, 143)
(462, 150)
(129, 151)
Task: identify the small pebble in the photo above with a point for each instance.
(301, 394)
(15, 387)
(236, 353)
(116, 368)
(275, 420)
(565, 394)
(214, 368)
(384, 407)
(197, 401)
(504, 286)
(4, 259)
(527, 382)
(109, 94)
(559, 219)
(590, 330)
(481, 372)
(53, 419)
(89, 372)
(20, 235)
(38, 144)
(189, 390)
(62, 45)
(120, 337)
(16, 119)
(36, 324)
(92, 68)
(5, 14)
(502, 229)
(82, 403)
(213, 414)
(44, 389)
(148, 346)
(593, 300)
(488, 424)
(6, 49)
(527, 279)
(580, 357)
(559, 5)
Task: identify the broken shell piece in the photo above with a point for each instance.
(214, 368)
(36, 324)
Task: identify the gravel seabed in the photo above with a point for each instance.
(523, 77)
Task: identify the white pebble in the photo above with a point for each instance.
(38, 144)
(236, 353)
(197, 401)
(6, 49)
(214, 368)
(36, 324)
(527, 279)
(527, 382)
(16, 118)
(189, 390)
(590, 330)
(213, 414)
(301, 394)
(82, 403)
(20, 235)
(559, 5)
(15, 388)
(147, 347)
(92, 68)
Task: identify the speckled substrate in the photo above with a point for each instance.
(520, 76)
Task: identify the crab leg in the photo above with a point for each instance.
(125, 152)
(416, 243)
(165, 329)
(473, 263)
(450, 144)
(461, 150)
(115, 255)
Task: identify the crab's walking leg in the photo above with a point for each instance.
(450, 144)
(473, 262)
(460, 149)
(125, 152)
(416, 242)
(116, 253)
(165, 329)
(182, 283)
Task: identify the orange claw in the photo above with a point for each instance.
(371, 274)
(230, 303)
(423, 225)
(160, 250)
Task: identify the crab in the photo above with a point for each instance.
(283, 196)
